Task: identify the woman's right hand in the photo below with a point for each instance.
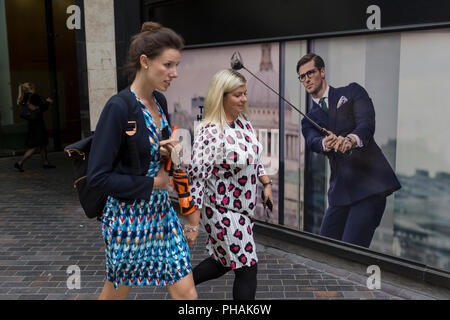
(161, 180)
(166, 147)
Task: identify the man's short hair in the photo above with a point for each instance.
(318, 61)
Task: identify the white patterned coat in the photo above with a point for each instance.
(223, 173)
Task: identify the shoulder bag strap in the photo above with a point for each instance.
(130, 132)
(163, 105)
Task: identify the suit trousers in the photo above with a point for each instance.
(354, 223)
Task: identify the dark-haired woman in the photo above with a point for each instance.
(145, 244)
(37, 136)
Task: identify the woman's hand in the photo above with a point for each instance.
(191, 234)
(166, 146)
(192, 228)
(161, 180)
(268, 193)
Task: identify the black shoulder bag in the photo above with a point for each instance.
(92, 201)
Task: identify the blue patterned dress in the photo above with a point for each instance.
(145, 244)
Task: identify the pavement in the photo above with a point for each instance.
(44, 234)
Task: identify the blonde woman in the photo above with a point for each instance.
(223, 173)
(37, 136)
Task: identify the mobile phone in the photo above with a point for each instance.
(165, 134)
(268, 202)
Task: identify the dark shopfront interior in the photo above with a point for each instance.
(36, 46)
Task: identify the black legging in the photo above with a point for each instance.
(244, 286)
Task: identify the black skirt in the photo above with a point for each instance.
(37, 135)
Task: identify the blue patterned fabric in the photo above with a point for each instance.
(145, 244)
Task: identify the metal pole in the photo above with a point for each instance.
(281, 137)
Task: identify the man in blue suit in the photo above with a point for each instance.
(361, 177)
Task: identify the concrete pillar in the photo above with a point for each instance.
(101, 55)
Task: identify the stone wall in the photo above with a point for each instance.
(101, 55)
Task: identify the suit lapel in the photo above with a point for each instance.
(332, 103)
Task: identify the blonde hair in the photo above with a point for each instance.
(24, 88)
(223, 82)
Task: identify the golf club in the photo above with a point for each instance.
(237, 64)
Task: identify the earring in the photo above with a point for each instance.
(146, 67)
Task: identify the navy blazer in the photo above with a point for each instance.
(110, 167)
(364, 172)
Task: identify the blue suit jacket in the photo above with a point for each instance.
(363, 173)
(110, 166)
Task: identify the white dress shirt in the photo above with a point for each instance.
(359, 143)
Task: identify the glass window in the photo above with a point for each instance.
(406, 75)
(421, 207)
(294, 144)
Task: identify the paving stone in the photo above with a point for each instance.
(281, 277)
(9, 296)
(311, 288)
(296, 282)
(87, 297)
(270, 295)
(328, 294)
(32, 297)
(341, 288)
(281, 288)
(61, 297)
(211, 295)
(21, 291)
(58, 291)
(358, 294)
(299, 294)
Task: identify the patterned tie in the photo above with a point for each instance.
(323, 105)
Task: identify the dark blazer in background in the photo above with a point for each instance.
(110, 168)
(363, 173)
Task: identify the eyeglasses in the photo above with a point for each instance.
(308, 74)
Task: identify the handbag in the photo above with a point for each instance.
(24, 111)
(93, 201)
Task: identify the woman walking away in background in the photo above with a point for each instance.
(32, 108)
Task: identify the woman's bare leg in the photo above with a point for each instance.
(183, 289)
(109, 293)
(27, 155)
